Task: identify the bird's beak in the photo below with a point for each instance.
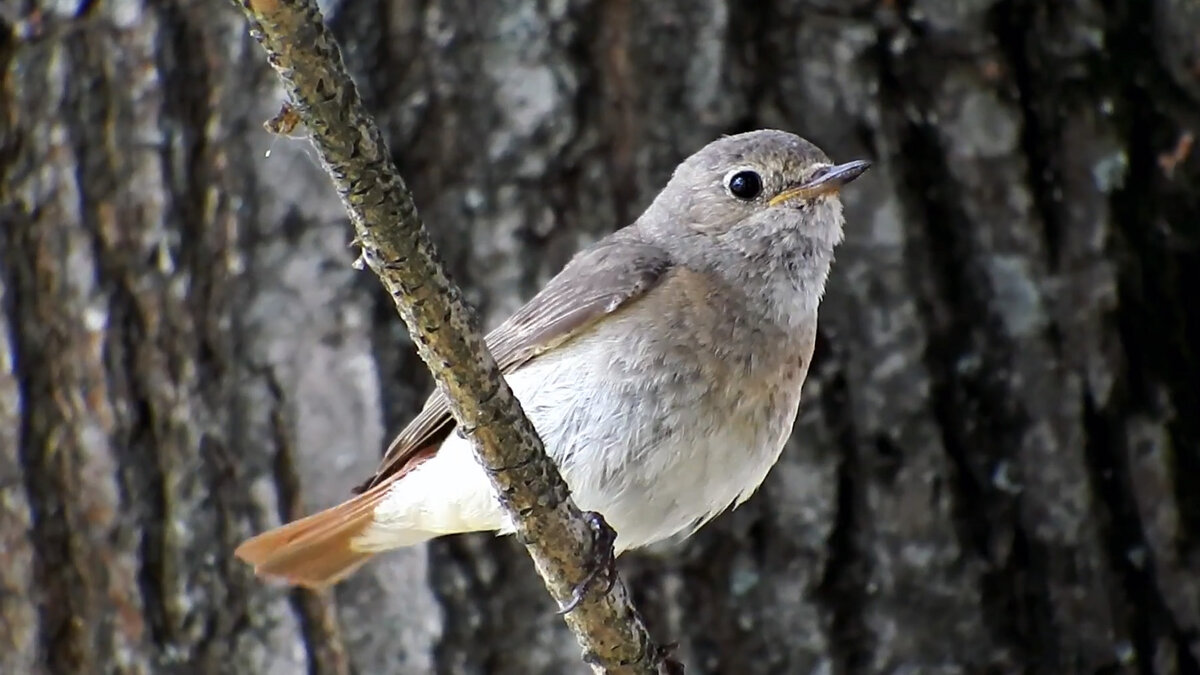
(825, 181)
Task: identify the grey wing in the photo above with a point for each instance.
(598, 281)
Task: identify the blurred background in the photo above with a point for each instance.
(995, 466)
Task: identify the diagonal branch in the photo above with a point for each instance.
(446, 331)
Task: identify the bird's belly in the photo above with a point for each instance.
(656, 435)
(652, 493)
(657, 445)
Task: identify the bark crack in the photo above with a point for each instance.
(1158, 333)
(847, 575)
(1013, 22)
(316, 612)
(58, 580)
(977, 424)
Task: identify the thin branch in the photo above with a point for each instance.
(446, 331)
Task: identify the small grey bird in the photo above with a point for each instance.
(662, 368)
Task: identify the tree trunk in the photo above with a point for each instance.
(995, 466)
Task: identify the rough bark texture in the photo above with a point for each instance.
(995, 466)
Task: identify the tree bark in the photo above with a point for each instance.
(995, 463)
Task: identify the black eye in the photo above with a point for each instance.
(745, 185)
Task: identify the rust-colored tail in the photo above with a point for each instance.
(315, 551)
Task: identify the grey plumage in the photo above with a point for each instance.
(662, 367)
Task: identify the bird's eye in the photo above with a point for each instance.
(745, 185)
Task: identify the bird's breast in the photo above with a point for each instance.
(666, 414)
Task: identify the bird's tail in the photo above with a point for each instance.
(318, 550)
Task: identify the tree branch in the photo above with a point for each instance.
(446, 331)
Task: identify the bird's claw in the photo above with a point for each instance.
(603, 561)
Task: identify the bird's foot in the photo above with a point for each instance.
(603, 563)
(668, 664)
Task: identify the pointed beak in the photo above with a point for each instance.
(824, 181)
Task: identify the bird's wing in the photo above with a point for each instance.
(598, 281)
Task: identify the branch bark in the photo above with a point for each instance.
(446, 331)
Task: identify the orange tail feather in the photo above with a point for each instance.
(315, 551)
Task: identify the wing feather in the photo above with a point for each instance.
(598, 281)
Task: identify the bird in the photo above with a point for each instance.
(662, 367)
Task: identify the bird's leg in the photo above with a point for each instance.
(603, 560)
(670, 665)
